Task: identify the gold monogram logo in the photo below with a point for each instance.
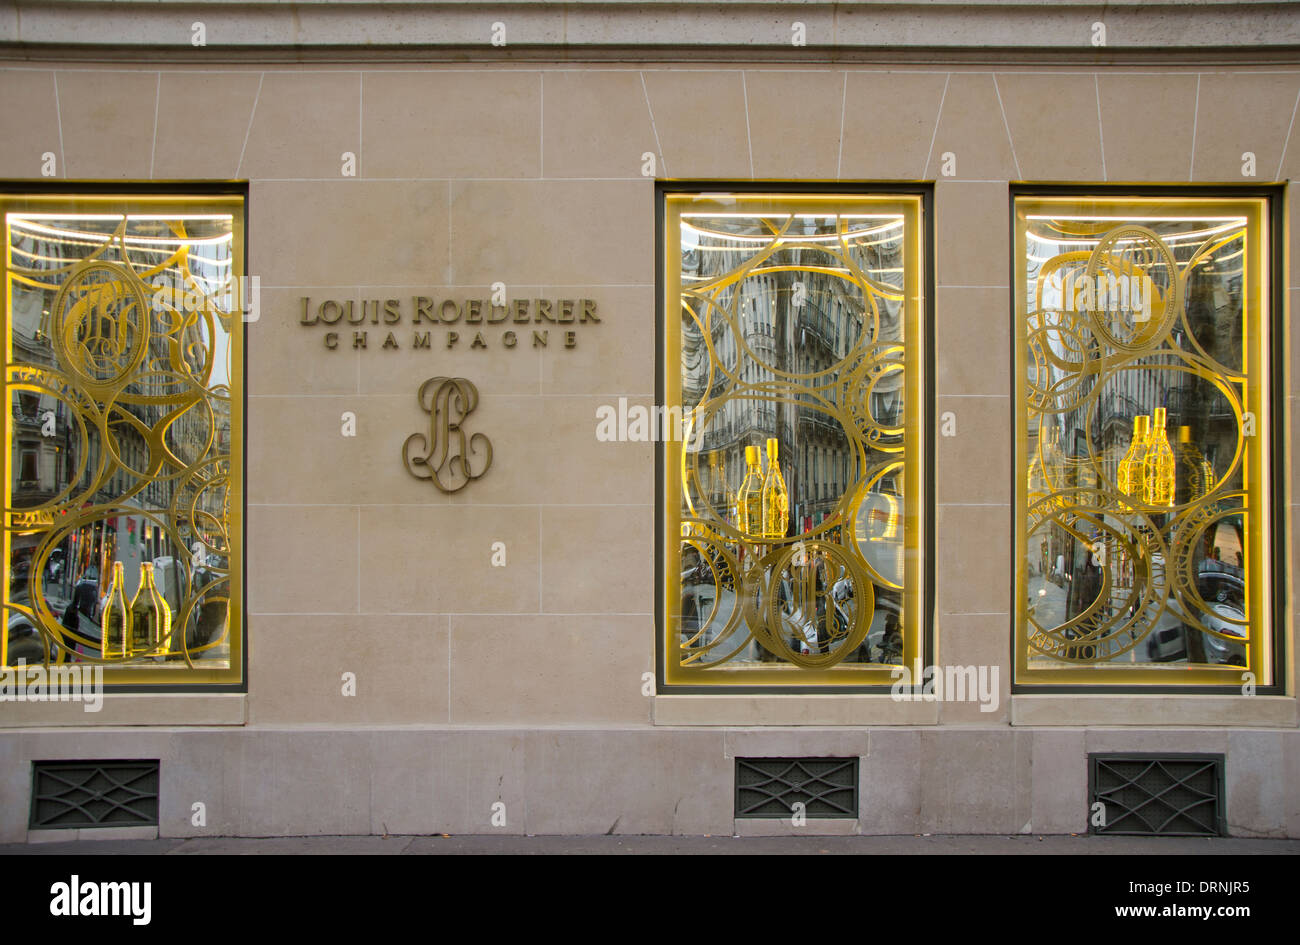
(447, 452)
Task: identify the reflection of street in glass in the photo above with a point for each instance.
(1049, 606)
(1047, 601)
(1169, 639)
(802, 362)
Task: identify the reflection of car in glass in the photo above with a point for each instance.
(1225, 618)
(211, 612)
(698, 602)
(886, 617)
(709, 598)
(1168, 641)
(1223, 590)
(86, 596)
(25, 641)
(207, 619)
(1221, 582)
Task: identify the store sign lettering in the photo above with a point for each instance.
(446, 323)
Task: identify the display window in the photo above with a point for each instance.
(123, 326)
(792, 450)
(1147, 338)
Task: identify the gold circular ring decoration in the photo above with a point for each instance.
(752, 602)
(852, 538)
(774, 285)
(1229, 396)
(722, 294)
(1189, 536)
(51, 627)
(813, 619)
(101, 323)
(1103, 630)
(203, 488)
(1063, 342)
(1205, 254)
(773, 393)
(861, 382)
(194, 420)
(708, 645)
(1144, 254)
(84, 414)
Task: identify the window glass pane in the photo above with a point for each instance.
(792, 338)
(124, 375)
(1144, 439)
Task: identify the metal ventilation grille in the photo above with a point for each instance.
(1156, 795)
(770, 787)
(94, 794)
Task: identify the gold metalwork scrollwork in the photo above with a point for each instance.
(807, 597)
(137, 386)
(1111, 332)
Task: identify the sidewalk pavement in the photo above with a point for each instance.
(651, 845)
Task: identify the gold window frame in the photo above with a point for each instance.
(184, 671)
(1261, 455)
(913, 206)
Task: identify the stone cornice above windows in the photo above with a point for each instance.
(808, 31)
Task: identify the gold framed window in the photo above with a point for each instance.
(1147, 332)
(124, 387)
(793, 457)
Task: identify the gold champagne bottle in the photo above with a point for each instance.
(749, 500)
(151, 618)
(1129, 478)
(775, 501)
(1158, 464)
(1196, 475)
(116, 618)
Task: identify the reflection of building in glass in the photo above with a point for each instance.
(1106, 374)
(791, 343)
(800, 321)
(171, 417)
